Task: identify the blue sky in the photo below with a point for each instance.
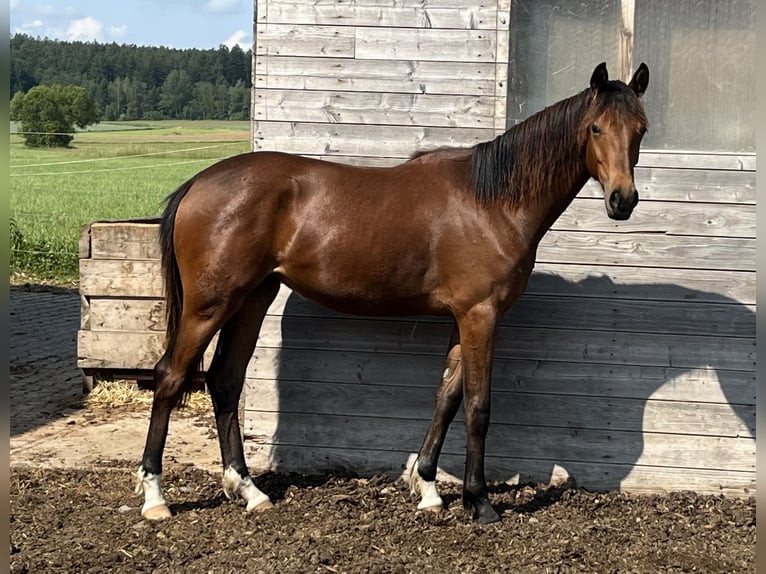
(172, 23)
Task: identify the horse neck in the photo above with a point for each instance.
(540, 215)
(550, 176)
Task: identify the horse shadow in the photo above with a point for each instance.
(589, 379)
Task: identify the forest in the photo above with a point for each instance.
(131, 82)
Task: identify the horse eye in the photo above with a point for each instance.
(594, 129)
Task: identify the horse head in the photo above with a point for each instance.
(613, 129)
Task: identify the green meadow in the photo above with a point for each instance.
(119, 170)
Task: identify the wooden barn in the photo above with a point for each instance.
(630, 361)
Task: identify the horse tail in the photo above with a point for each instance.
(170, 274)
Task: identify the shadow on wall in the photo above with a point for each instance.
(615, 384)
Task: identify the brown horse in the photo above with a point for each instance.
(449, 232)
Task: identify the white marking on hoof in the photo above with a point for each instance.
(159, 512)
(426, 489)
(154, 507)
(234, 486)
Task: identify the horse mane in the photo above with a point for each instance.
(530, 157)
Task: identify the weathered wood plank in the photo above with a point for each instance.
(142, 349)
(648, 250)
(595, 475)
(425, 44)
(134, 278)
(124, 241)
(559, 445)
(308, 73)
(278, 366)
(316, 41)
(687, 185)
(670, 218)
(517, 342)
(358, 139)
(659, 317)
(83, 243)
(511, 408)
(118, 350)
(694, 161)
(127, 315)
(374, 108)
(121, 278)
(542, 312)
(712, 285)
(393, 14)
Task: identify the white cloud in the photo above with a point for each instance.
(85, 30)
(239, 37)
(33, 28)
(222, 5)
(117, 32)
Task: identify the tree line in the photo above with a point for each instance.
(129, 82)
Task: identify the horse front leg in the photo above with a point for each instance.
(477, 331)
(448, 397)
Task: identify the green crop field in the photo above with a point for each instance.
(114, 171)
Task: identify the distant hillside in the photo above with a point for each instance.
(139, 82)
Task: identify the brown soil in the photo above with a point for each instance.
(73, 508)
(87, 519)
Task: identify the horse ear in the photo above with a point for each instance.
(640, 80)
(599, 78)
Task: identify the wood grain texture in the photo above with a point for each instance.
(142, 278)
(598, 475)
(374, 108)
(421, 338)
(356, 75)
(558, 445)
(393, 14)
(508, 408)
(425, 44)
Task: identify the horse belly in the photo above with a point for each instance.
(356, 281)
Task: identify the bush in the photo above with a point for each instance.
(49, 114)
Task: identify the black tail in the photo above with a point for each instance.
(174, 295)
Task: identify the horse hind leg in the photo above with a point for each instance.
(172, 376)
(448, 398)
(225, 380)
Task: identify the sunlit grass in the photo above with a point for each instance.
(121, 174)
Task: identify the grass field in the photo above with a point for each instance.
(116, 171)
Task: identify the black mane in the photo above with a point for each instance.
(530, 156)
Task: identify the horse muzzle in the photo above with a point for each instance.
(620, 204)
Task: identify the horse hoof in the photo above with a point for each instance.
(481, 511)
(159, 512)
(265, 505)
(488, 518)
(485, 514)
(436, 508)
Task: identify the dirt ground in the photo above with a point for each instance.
(73, 508)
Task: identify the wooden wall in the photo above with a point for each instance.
(630, 362)
(372, 82)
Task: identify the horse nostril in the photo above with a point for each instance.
(614, 199)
